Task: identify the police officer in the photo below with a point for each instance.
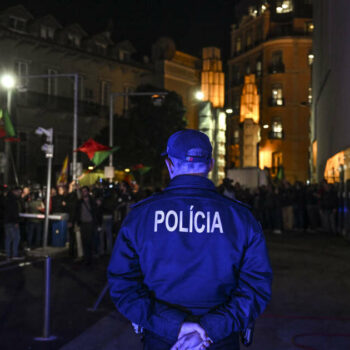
(190, 266)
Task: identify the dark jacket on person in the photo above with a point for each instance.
(93, 209)
(11, 210)
(189, 252)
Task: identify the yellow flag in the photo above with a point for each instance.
(63, 178)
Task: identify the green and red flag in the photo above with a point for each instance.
(142, 169)
(7, 131)
(96, 152)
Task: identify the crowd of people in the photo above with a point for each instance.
(96, 213)
(282, 207)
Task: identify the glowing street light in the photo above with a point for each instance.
(266, 126)
(229, 110)
(8, 81)
(199, 95)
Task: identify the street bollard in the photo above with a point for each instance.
(46, 329)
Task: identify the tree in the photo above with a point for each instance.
(142, 134)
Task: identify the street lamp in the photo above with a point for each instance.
(199, 95)
(8, 81)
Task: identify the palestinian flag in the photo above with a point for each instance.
(7, 131)
(96, 152)
(142, 169)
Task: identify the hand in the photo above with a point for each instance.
(190, 327)
(191, 341)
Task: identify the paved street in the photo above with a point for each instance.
(310, 306)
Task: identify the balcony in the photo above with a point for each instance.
(32, 99)
(276, 135)
(276, 102)
(276, 68)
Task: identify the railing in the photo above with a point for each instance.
(279, 135)
(276, 102)
(276, 68)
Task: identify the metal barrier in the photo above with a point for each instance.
(56, 216)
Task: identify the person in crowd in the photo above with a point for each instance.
(172, 270)
(34, 226)
(286, 196)
(89, 222)
(71, 208)
(299, 205)
(11, 223)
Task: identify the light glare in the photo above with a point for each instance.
(8, 81)
(199, 95)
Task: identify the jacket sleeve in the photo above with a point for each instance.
(251, 295)
(132, 297)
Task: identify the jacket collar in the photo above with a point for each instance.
(190, 181)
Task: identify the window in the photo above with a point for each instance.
(238, 45)
(310, 58)
(309, 27)
(284, 6)
(47, 32)
(309, 96)
(236, 104)
(249, 40)
(52, 83)
(104, 90)
(277, 65)
(236, 137)
(73, 40)
(258, 68)
(89, 94)
(277, 162)
(277, 96)
(247, 68)
(21, 68)
(101, 48)
(276, 129)
(18, 24)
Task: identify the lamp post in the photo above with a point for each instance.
(75, 76)
(8, 82)
(112, 97)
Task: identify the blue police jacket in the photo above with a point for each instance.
(189, 251)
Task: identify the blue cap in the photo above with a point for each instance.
(189, 145)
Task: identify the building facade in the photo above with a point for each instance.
(273, 41)
(330, 141)
(42, 46)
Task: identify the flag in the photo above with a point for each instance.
(7, 131)
(142, 169)
(100, 156)
(63, 178)
(90, 147)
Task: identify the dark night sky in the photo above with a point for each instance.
(191, 23)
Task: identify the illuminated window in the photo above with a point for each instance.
(47, 32)
(310, 58)
(276, 129)
(284, 6)
(52, 83)
(309, 27)
(236, 137)
(309, 97)
(258, 68)
(277, 95)
(19, 24)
